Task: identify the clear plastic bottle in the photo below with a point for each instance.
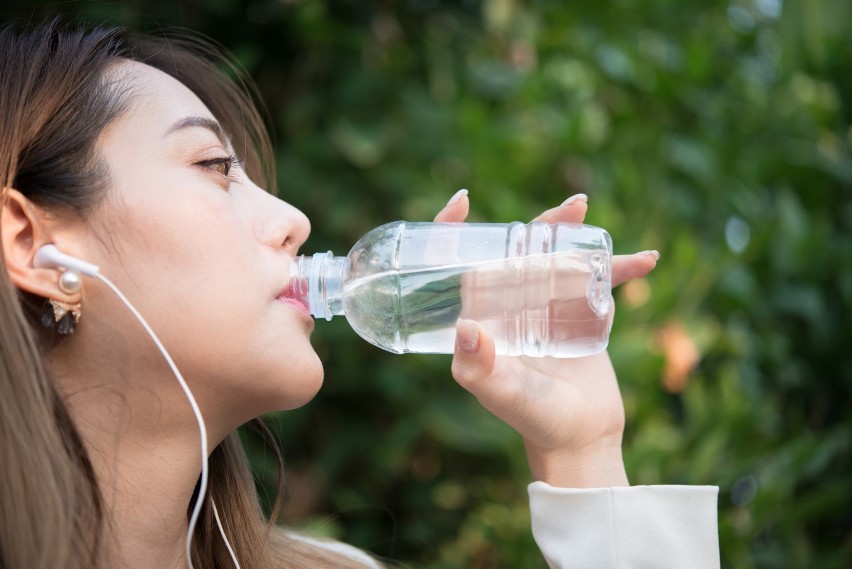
(539, 289)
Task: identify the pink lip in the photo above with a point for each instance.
(291, 296)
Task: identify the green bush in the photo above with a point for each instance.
(718, 133)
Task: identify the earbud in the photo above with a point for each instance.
(50, 257)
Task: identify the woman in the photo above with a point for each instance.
(139, 155)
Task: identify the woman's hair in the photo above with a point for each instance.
(56, 98)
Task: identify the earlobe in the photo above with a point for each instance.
(22, 233)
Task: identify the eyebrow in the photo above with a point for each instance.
(200, 122)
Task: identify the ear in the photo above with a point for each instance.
(23, 230)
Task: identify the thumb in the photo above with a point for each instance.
(474, 355)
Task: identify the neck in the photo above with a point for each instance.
(144, 444)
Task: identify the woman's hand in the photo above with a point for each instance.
(568, 411)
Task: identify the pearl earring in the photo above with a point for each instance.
(70, 282)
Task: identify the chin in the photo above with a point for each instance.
(295, 386)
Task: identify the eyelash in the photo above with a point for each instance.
(229, 162)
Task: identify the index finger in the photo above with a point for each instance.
(635, 266)
(456, 209)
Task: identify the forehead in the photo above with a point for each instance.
(158, 95)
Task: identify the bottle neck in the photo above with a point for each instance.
(320, 280)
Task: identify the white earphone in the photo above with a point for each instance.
(49, 256)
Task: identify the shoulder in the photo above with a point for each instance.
(333, 548)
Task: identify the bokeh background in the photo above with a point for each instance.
(718, 132)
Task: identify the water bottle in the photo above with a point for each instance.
(539, 289)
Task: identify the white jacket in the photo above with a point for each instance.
(635, 527)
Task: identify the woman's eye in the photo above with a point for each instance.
(223, 166)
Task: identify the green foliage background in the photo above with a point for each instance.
(718, 132)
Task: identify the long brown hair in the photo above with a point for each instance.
(55, 101)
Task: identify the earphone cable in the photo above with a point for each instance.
(224, 537)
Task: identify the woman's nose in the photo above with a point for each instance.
(283, 226)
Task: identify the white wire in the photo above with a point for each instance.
(202, 490)
(222, 533)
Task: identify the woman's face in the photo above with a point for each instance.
(202, 252)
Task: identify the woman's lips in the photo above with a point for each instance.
(292, 296)
(296, 304)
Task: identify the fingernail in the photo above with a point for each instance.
(456, 197)
(576, 197)
(654, 253)
(467, 336)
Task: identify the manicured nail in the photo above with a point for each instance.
(576, 197)
(467, 336)
(653, 253)
(457, 196)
